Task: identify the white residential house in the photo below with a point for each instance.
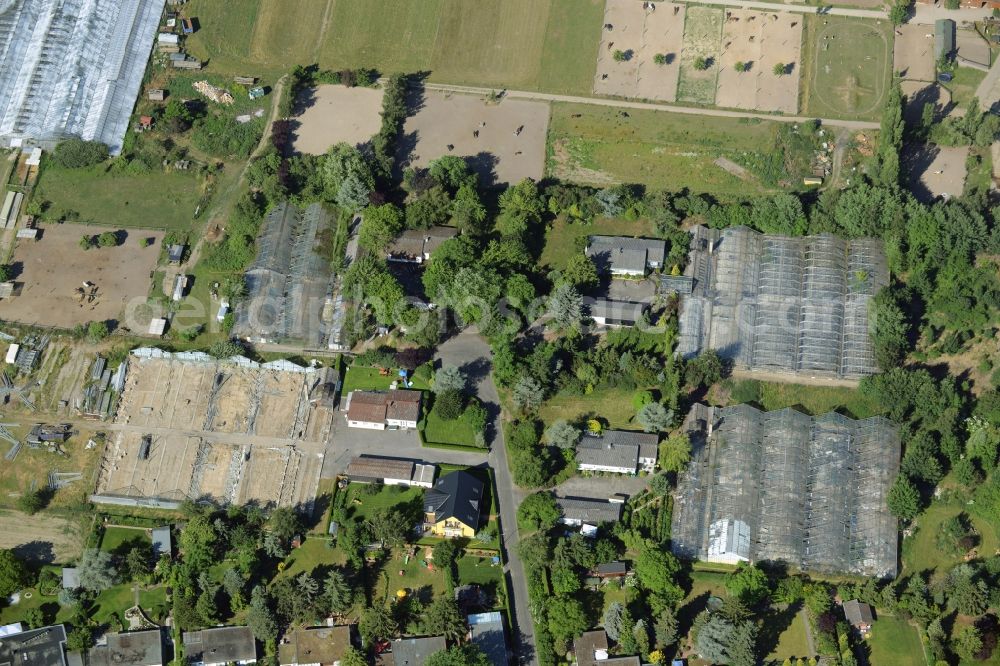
(377, 410)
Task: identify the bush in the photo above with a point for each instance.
(448, 404)
(222, 136)
(107, 239)
(77, 153)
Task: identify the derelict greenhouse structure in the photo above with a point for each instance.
(784, 486)
(782, 304)
(72, 68)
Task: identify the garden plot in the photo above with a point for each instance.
(760, 40)
(702, 45)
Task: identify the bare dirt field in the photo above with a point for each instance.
(918, 93)
(498, 154)
(336, 114)
(49, 271)
(913, 52)
(40, 538)
(972, 47)
(932, 171)
(218, 430)
(760, 40)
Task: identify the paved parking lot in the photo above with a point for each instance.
(601, 487)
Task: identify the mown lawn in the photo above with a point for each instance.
(963, 85)
(894, 642)
(116, 537)
(811, 399)
(158, 200)
(612, 404)
(442, 431)
(361, 378)
(359, 504)
(600, 145)
(920, 551)
(792, 640)
(563, 240)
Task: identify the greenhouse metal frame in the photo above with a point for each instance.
(812, 491)
(782, 304)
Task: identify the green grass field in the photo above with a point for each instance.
(847, 66)
(963, 85)
(535, 44)
(920, 551)
(811, 399)
(894, 642)
(564, 240)
(702, 39)
(612, 404)
(151, 201)
(598, 145)
(116, 537)
(441, 431)
(792, 641)
(361, 378)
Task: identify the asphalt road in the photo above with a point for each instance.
(472, 354)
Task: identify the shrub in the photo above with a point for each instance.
(107, 239)
(77, 153)
(448, 404)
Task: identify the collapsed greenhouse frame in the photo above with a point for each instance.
(72, 68)
(782, 304)
(785, 486)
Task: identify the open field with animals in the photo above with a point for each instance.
(847, 63)
(51, 273)
(760, 63)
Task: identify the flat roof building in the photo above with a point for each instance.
(606, 312)
(37, 647)
(487, 632)
(315, 645)
(784, 486)
(132, 648)
(220, 646)
(579, 511)
(416, 651)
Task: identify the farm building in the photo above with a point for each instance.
(391, 471)
(72, 68)
(784, 486)
(288, 283)
(782, 304)
(376, 410)
(944, 38)
(623, 257)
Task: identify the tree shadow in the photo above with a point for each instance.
(776, 623)
(35, 552)
(916, 160)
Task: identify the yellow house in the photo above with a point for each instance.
(452, 507)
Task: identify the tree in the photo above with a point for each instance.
(459, 655)
(285, 523)
(720, 641)
(612, 620)
(741, 66)
(665, 629)
(467, 210)
(619, 55)
(137, 561)
(449, 378)
(520, 207)
(889, 330)
(562, 434)
(97, 331)
(660, 58)
(448, 405)
(32, 501)
(538, 512)
(379, 226)
(701, 63)
(79, 639)
(6, 272)
(197, 542)
(967, 591)
(337, 592)
(565, 306)
(451, 172)
(656, 570)
(97, 570)
(968, 642)
(705, 370)
(431, 208)
(904, 498)
(13, 573)
(260, 616)
(748, 583)
(389, 526)
(107, 239)
(341, 163)
(353, 657)
(377, 622)
(581, 272)
(443, 618)
(354, 193)
(654, 417)
(176, 116)
(207, 606)
(76, 153)
(780, 69)
(528, 394)
(675, 453)
(86, 242)
(233, 583)
(566, 618)
(899, 12)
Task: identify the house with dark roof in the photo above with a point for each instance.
(391, 471)
(37, 647)
(606, 312)
(591, 649)
(416, 651)
(315, 645)
(626, 257)
(617, 569)
(617, 451)
(131, 648)
(587, 513)
(859, 615)
(220, 646)
(416, 246)
(453, 506)
(377, 410)
(487, 632)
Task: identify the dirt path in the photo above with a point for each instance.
(802, 9)
(318, 48)
(809, 632)
(841, 142)
(648, 106)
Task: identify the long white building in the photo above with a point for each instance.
(72, 68)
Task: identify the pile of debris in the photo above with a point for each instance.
(219, 95)
(101, 389)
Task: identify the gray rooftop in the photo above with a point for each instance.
(133, 648)
(616, 448)
(621, 253)
(616, 312)
(416, 651)
(161, 541)
(35, 647)
(220, 644)
(488, 633)
(593, 511)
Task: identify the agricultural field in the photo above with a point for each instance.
(161, 200)
(533, 44)
(847, 64)
(813, 400)
(600, 145)
(702, 40)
